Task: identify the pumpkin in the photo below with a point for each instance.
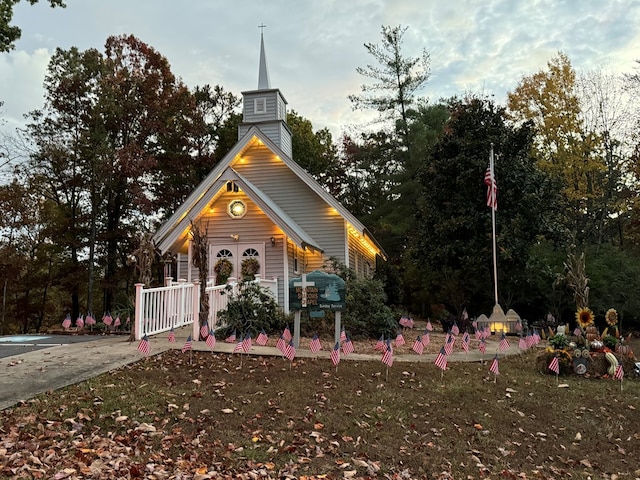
(622, 349)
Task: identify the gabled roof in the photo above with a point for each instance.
(211, 186)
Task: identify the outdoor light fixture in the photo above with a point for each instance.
(237, 209)
(273, 241)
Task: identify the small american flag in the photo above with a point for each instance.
(387, 357)
(455, 330)
(290, 351)
(239, 346)
(448, 346)
(577, 332)
(343, 335)
(335, 354)
(554, 366)
(494, 366)
(172, 336)
(107, 319)
(426, 340)
(204, 330)
(429, 326)
(246, 343)
(619, 373)
(211, 340)
(482, 346)
(117, 322)
(90, 320)
(66, 323)
(418, 346)
(465, 341)
(79, 322)
(314, 345)
(504, 343)
(347, 347)
(441, 359)
(522, 343)
(399, 340)
(187, 344)
(518, 325)
(281, 344)
(536, 337)
(530, 340)
(286, 334)
(144, 347)
(262, 338)
(380, 344)
(231, 338)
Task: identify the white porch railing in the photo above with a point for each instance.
(159, 309)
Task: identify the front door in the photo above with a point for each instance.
(235, 253)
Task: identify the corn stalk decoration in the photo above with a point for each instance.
(200, 259)
(576, 278)
(145, 256)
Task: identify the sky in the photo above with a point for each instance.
(313, 47)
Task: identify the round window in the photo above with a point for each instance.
(237, 209)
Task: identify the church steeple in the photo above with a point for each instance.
(266, 108)
(263, 74)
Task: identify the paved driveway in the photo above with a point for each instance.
(17, 344)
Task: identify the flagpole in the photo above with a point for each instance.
(493, 225)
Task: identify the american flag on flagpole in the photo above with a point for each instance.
(441, 359)
(335, 354)
(418, 346)
(504, 343)
(619, 373)
(554, 366)
(494, 366)
(347, 346)
(172, 336)
(262, 338)
(211, 340)
(399, 340)
(204, 330)
(187, 344)
(231, 338)
(314, 345)
(144, 347)
(492, 187)
(286, 334)
(290, 351)
(387, 357)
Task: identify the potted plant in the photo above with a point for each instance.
(249, 268)
(223, 270)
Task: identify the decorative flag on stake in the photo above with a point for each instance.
(144, 347)
(529, 340)
(335, 355)
(187, 344)
(286, 334)
(418, 346)
(494, 368)
(117, 322)
(79, 323)
(281, 344)
(89, 320)
(66, 323)
(314, 345)
(465, 342)
(107, 319)
(429, 327)
(504, 343)
(482, 346)
(554, 366)
(238, 347)
(536, 337)
(399, 340)
(290, 351)
(448, 346)
(518, 325)
(211, 340)
(426, 340)
(246, 343)
(380, 343)
(619, 373)
(577, 332)
(387, 357)
(347, 347)
(492, 186)
(262, 338)
(441, 360)
(343, 335)
(172, 336)
(522, 344)
(231, 338)
(204, 330)
(455, 330)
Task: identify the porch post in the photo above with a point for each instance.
(337, 326)
(195, 335)
(137, 320)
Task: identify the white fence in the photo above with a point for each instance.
(160, 309)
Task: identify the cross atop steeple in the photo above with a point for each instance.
(263, 74)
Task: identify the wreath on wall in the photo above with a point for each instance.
(223, 270)
(249, 268)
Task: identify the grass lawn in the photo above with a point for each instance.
(227, 416)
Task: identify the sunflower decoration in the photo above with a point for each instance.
(584, 317)
(611, 317)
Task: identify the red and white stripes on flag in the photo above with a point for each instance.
(554, 366)
(314, 345)
(387, 356)
(172, 336)
(504, 343)
(347, 347)
(619, 373)
(343, 335)
(399, 340)
(494, 366)
(522, 343)
(465, 341)
(290, 351)
(380, 344)
(492, 187)
(231, 338)
(262, 339)
(211, 340)
(482, 346)
(286, 334)
(144, 347)
(426, 340)
(418, 346)
(246, 343)
(187, 344)
(335, 354)
(441, 359)
(204, 330)
(281, 344)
